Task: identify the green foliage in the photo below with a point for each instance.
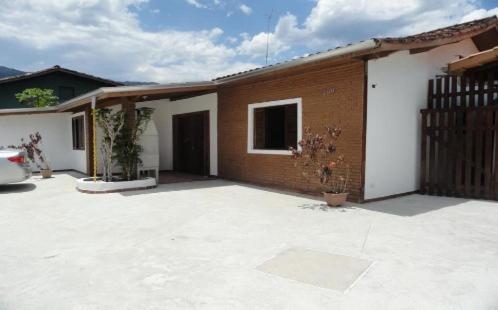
(126, 149)
(37, 97)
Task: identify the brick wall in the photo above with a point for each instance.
(321, 107)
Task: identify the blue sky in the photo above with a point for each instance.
(186, 40)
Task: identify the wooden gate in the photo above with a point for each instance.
(460, 138)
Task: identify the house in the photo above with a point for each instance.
(239, 126)
(65, 83)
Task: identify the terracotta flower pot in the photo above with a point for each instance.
(46, 173)
(335, 200)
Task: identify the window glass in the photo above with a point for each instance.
(275, 127)
(78, 128)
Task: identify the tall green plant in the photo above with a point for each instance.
(127, 150)
(37, 97)
(111, 125)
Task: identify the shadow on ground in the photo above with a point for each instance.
(17, 188)
(177, 187)
(412, 205)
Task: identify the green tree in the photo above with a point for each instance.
(127, 149)
(37, 97)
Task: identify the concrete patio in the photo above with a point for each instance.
(212, 244)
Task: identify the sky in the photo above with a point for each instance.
(192, 40)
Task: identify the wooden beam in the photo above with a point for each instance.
(191, 95)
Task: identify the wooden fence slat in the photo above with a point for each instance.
(468, 153)
(460, 148)
(438, 93)
(430, 94)
(472, 94)
(454, 98)
(490, 88)
(478, 137)
(450, 156)
(495, 168)
(463, 88)
(423, 157)
(442, 153)
(480, 90)
(446, 92)
(488, 152)
(432, 172)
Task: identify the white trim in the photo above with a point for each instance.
(250, 124)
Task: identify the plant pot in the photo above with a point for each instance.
(46, 173)
(335, 200)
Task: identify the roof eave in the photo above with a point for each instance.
(129, 91)
(350, 50)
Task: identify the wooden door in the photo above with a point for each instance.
(191, 142)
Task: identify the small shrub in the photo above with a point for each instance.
(317, 154)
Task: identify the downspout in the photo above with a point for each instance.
(94, 124)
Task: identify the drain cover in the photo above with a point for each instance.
(331, 271)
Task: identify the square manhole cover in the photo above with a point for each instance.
(332, 271)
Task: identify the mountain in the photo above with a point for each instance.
(6, 72)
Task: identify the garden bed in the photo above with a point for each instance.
(87, 185)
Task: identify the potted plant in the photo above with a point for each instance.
(36, 155)
(317, 158)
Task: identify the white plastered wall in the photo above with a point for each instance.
(163, 118)
(393, 116)
(56, 132)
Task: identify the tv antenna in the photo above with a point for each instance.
(268, 35)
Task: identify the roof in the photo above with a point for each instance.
(474, 60)
(57, 69)
(434, 38)
(367, 48)
(148, 92)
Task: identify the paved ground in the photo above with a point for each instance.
(201, 245)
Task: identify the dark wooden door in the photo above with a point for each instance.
(191, 142)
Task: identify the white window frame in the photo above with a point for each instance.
(250, 124)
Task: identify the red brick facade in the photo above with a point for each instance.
(331, 95)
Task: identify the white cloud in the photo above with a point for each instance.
(197, 4)
(336, 22)
(104, 37)
(245, 9)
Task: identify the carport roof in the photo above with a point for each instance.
(474, 61)
(139, 93)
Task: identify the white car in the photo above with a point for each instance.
(14, 166)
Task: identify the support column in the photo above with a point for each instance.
(128, 107)
(89, 141)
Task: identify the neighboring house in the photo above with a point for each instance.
(65, 83)
(239, 127)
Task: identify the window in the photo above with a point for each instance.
(78, 126)
(274, 126)
(66, 93)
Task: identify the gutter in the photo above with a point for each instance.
(20, 111)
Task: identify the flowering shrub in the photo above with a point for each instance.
(34, 151)
(317, 154)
